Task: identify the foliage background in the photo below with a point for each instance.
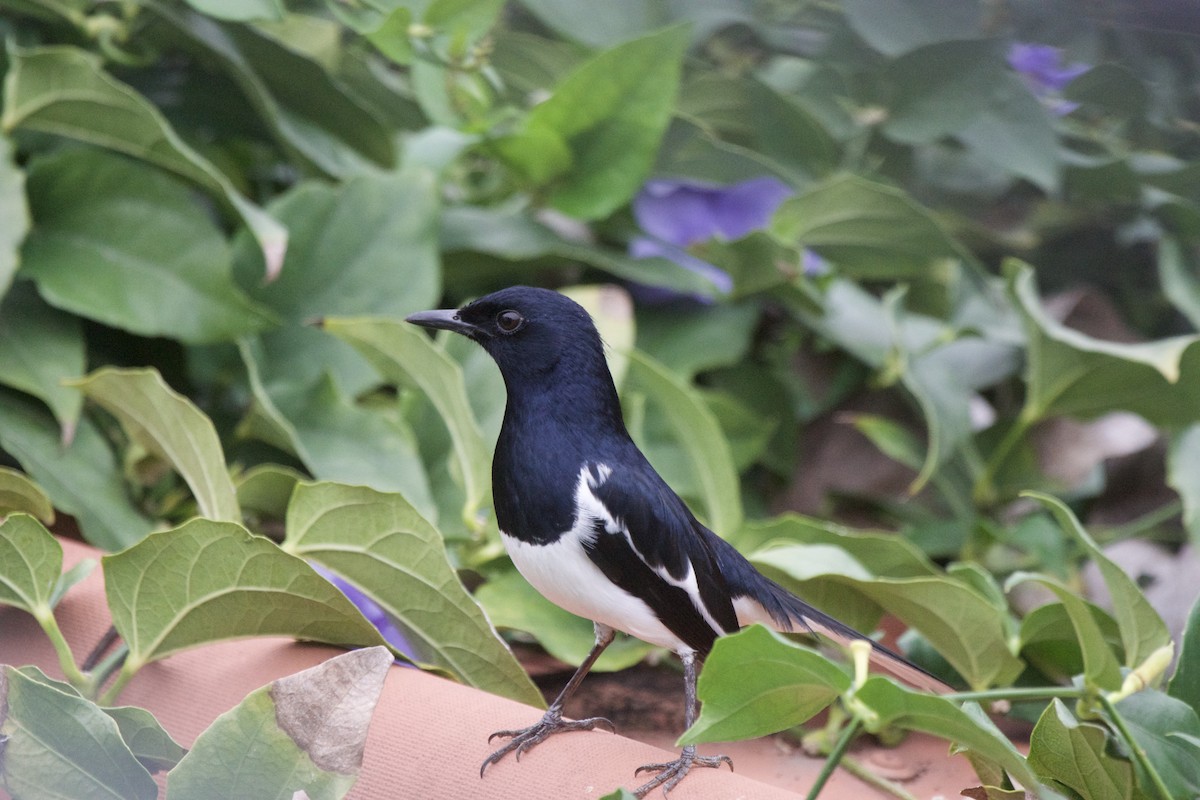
(980, 273)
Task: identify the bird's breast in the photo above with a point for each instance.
(561, 570)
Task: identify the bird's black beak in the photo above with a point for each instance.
(445, 319)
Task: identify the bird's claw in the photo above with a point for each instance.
(525, 739)
(671, 773)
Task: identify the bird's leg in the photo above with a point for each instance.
(552, 721)
(672, 772)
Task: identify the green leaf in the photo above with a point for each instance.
(1185, 683)
(697, 430)
(756, 682)
(19, 493)
(318, 120)
(239, 10)
(403, 354)
(610, 114)
(63, 91)
(155, 264)
(902, 25)
(1071, 373)
(382, 545)
(83, 478)
(892, 439)
(207, 581)
(342, 257)
(168, 424)
(620, 794)
(14, 212)
(390, 35)
(512, 233)
(300, 736)
(1112, 87)
(868, 229)
(58, 745)
(759, 119)
(1049, 641)
(941, 88)
(1100, 666)
(266, 489)
(879, 553)
(149, 742)
(941, 608)
(1177, 273)
(690, 340)
(1168, 730)
(41, 346)
(968, 726)
(335, 438)
(30, 563)
(1142, 629)
(608, 24)
(1183, 475)
(1077, 755)
(1014, 132)
(71, 578)
(510, 602)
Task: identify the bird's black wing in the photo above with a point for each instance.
(651, 548)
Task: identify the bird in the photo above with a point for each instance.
(595, 529)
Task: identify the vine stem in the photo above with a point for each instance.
(1139, 752)
(984, 492)
(835, 757)
(109, 697)
(1018, 694)
(865, 775)
(66, 659)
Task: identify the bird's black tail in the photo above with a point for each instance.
(759, 599)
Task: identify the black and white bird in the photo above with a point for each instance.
(594, 528)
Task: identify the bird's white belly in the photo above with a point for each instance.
(565, 576)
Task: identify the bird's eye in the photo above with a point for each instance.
(509, 321)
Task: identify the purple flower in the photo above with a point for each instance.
(1042, 70)
(370, 609)
(678, 214)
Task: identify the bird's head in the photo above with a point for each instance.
(529, 332)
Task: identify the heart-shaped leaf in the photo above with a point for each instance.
(168, 424)
(756, 682)
(1100, 665)
(82, 478)
(1142, 629)
(603, 122)
(13, 211)
(30, 563)
(385, 548)
(300, 736)
(149, 742)
(19, 493)
(156, 265)
(57, 744)
(967, 726)
(206, 581)
(403, 354)
(1078, 755)
(41, 346)
(64, 91)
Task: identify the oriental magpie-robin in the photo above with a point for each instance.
(593, 526)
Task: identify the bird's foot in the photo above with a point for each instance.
(672, 772)
(525, 739)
